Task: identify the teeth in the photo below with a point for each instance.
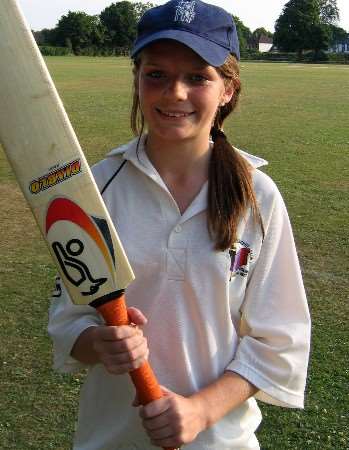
(174, 114)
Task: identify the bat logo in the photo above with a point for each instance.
(67, 260)
(77, 239)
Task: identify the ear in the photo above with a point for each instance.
(227, 94)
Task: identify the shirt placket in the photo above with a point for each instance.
(177, 242)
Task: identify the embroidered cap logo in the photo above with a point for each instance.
(185, 11)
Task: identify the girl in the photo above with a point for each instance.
(218, 290)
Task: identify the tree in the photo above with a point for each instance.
(120, 20)
(141, 8)
(46, 36)
(337, 34)
(329, 12)
(79, 31)
(303, 25)
(244, 34)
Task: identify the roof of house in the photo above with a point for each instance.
(265, 40)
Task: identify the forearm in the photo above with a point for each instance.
(83, 349)
(222, 396)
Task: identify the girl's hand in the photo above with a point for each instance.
(173, 420)
(123, 348)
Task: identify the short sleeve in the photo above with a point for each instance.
(275, 324)
(66, 322)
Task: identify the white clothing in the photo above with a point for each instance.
(203, 317)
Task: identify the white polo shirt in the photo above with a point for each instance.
(208, 311)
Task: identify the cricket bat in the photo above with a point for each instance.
(57, 182)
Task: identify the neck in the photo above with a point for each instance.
(179, 159)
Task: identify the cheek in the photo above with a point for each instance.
(208, 103)
(147, 93)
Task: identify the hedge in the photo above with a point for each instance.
(48, 50)
(309, 57)
(246, 55)
(85, 51)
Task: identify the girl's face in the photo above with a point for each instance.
(179, 92)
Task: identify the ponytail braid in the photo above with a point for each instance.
(230, 188)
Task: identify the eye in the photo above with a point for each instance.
(155, 74)
(198, 79)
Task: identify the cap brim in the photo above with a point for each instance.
(212, 53)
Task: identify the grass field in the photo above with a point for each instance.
(295, 116)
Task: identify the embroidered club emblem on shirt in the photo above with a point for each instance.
(240, 256)
(185, 11)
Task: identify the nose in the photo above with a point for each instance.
(176, 89)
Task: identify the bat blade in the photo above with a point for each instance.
(56, 180)
(52, 170)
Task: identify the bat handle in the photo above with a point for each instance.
(147, 386)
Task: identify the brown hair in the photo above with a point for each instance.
(230, 186)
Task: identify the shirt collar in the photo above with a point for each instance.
(255, 161)
(134, 152)
(140, 159)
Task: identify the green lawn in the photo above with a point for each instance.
(295, 116)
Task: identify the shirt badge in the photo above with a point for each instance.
(240, 256)
(185, 11)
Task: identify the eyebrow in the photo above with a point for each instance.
(159, 65)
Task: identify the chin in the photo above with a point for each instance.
(171, 135)
(174, 133)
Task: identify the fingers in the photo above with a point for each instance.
(136, 316)
(120, 349)
(153, 410)
(156, 423)
(165, 430)
(157, 419)
(171, 421)
(111, 333)
(116, 367)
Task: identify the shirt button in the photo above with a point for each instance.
(178, 229)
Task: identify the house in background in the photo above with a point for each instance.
(265, 44)
(341, 46)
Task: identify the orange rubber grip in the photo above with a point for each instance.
(148, 389)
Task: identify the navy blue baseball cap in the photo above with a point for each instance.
(207, 29)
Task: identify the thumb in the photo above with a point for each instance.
(166, 392)
(136, 316)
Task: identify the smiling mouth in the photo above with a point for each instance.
(176, 114)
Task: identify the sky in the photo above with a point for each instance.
(254, 13)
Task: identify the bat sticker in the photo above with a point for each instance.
(55, 177)
(67, 228)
